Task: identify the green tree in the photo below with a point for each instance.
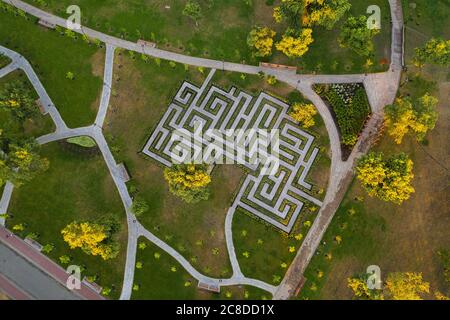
(193, 11)
(307, 13)
(70, 75)
(435, 51)
(139, 206)
(18, 99)
(356, 36)
(20, 162)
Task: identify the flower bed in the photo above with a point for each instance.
(350, 108)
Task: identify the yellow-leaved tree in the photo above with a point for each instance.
(304, 113)
(435, 51)
(297, 13)
(92, 238)
(189, 182)
(388, 179)
(361, 290)
(295, 46)
(260, 39)
(398, 286)
(405, 117)
(406, 286)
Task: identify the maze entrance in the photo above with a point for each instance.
(277, 199)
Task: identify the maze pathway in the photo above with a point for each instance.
(277, 199)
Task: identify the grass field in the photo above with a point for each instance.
(52, 56)
(63, 199)
(222, 32)
(4, 61)
(174, 283)
(131, 120)
(397, 238)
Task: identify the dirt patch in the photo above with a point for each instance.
(98, 63)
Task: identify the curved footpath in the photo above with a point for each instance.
(381, 90)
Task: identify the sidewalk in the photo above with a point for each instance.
(44, 263)
(11, 290)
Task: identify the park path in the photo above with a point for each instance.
(381, 90)
(107, 85)
(19, 62)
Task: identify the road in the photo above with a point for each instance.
(21, 280)
(28, 268)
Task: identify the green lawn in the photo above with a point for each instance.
(55, 198)
(4, 61)
(131, 120)
(222, 32)
(397, 238)
(162, 277)
(86, 142)
(52, 56)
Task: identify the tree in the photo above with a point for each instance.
(20, 162)
(295, 46)
(70, 75)
(18, 99)
(325, 13)
(406, 286)
(404, 117)
(261, 41)
(193, 11)
(92, 238)
(356, 36)
(48, 248)
(64, 259)
(304, 113)
(361, 290)
(388, 179)
(139, 206)
(398, 286)
(435, 51)
(189, 182)
(311, 13)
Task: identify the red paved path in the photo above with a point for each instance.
(44, 263)
(10, 289)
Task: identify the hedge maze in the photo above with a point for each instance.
(277, 198)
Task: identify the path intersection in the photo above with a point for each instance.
(277, 199)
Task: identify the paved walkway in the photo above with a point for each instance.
(381, 89)
(107, 85)
(5, 199)
(21, 63)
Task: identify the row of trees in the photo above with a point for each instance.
(390, 179)
(301, 16)
(398, 286)
(19, 156)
